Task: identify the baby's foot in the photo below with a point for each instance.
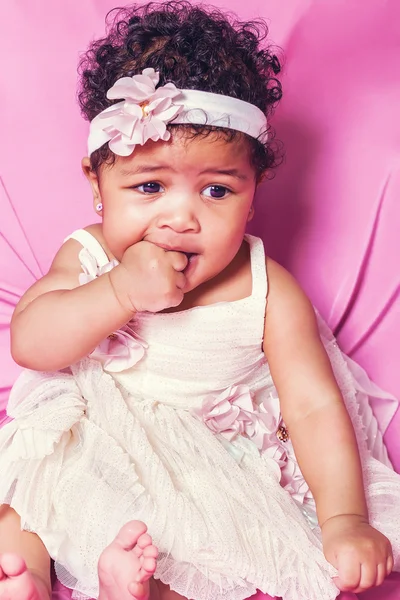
(127, 564)
(16, 582)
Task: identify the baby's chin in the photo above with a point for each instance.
(195, 282)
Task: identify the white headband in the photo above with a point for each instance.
(145, 111)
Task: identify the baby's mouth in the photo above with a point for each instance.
(191, 256)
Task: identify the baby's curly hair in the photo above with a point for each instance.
(195, 47)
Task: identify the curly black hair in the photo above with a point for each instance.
(195, 47)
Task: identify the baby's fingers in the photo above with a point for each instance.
(373, 575)
(389, 564)
(381, 572)
(349, 572)
(178, 260)
(369, 575)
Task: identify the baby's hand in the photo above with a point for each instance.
(149, 278)
(362, 555)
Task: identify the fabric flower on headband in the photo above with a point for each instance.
(141, 116)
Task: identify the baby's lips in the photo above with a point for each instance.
(187, 247)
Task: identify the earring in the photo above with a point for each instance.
(99, 207)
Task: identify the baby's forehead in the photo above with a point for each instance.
(198, 148)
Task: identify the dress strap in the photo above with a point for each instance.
(258, 268)
(89, 242)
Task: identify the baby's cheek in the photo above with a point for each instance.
(118, 237)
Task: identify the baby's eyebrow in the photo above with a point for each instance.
(232, 172)
(145, 169)
(152, 168)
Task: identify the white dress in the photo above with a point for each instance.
(175, 421)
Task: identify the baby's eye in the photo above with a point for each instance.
(150, 187)
(217, 191)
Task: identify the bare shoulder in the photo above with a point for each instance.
(96, 230)
(282, 286)
(63, 273)
(67, 257)
(289, 310)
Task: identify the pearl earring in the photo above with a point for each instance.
(99, 207)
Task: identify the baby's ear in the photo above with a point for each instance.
(87, 168)
(92, 178)
(251, 213)
(262, 177)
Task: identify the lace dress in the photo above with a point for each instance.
(175, 420)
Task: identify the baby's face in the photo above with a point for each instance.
(190, 195)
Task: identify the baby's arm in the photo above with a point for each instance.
(322, 434)
(57, 322)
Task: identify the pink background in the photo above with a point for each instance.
(332, 213)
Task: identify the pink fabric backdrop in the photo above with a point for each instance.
(330, 215)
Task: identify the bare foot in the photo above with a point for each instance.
(127, 564)
(17, 583)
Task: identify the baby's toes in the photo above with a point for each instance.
(148, 562)
(150, 552)
(143, 542)
(12, 565)
(129, 534)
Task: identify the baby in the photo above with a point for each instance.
(186, 426)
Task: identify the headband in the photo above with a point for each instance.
(145, 111)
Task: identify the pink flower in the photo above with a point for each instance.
(120, 350)
(230, 413)
(90, 267)
(141, 116)
(233, 413)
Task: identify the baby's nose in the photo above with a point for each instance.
(181, 217)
